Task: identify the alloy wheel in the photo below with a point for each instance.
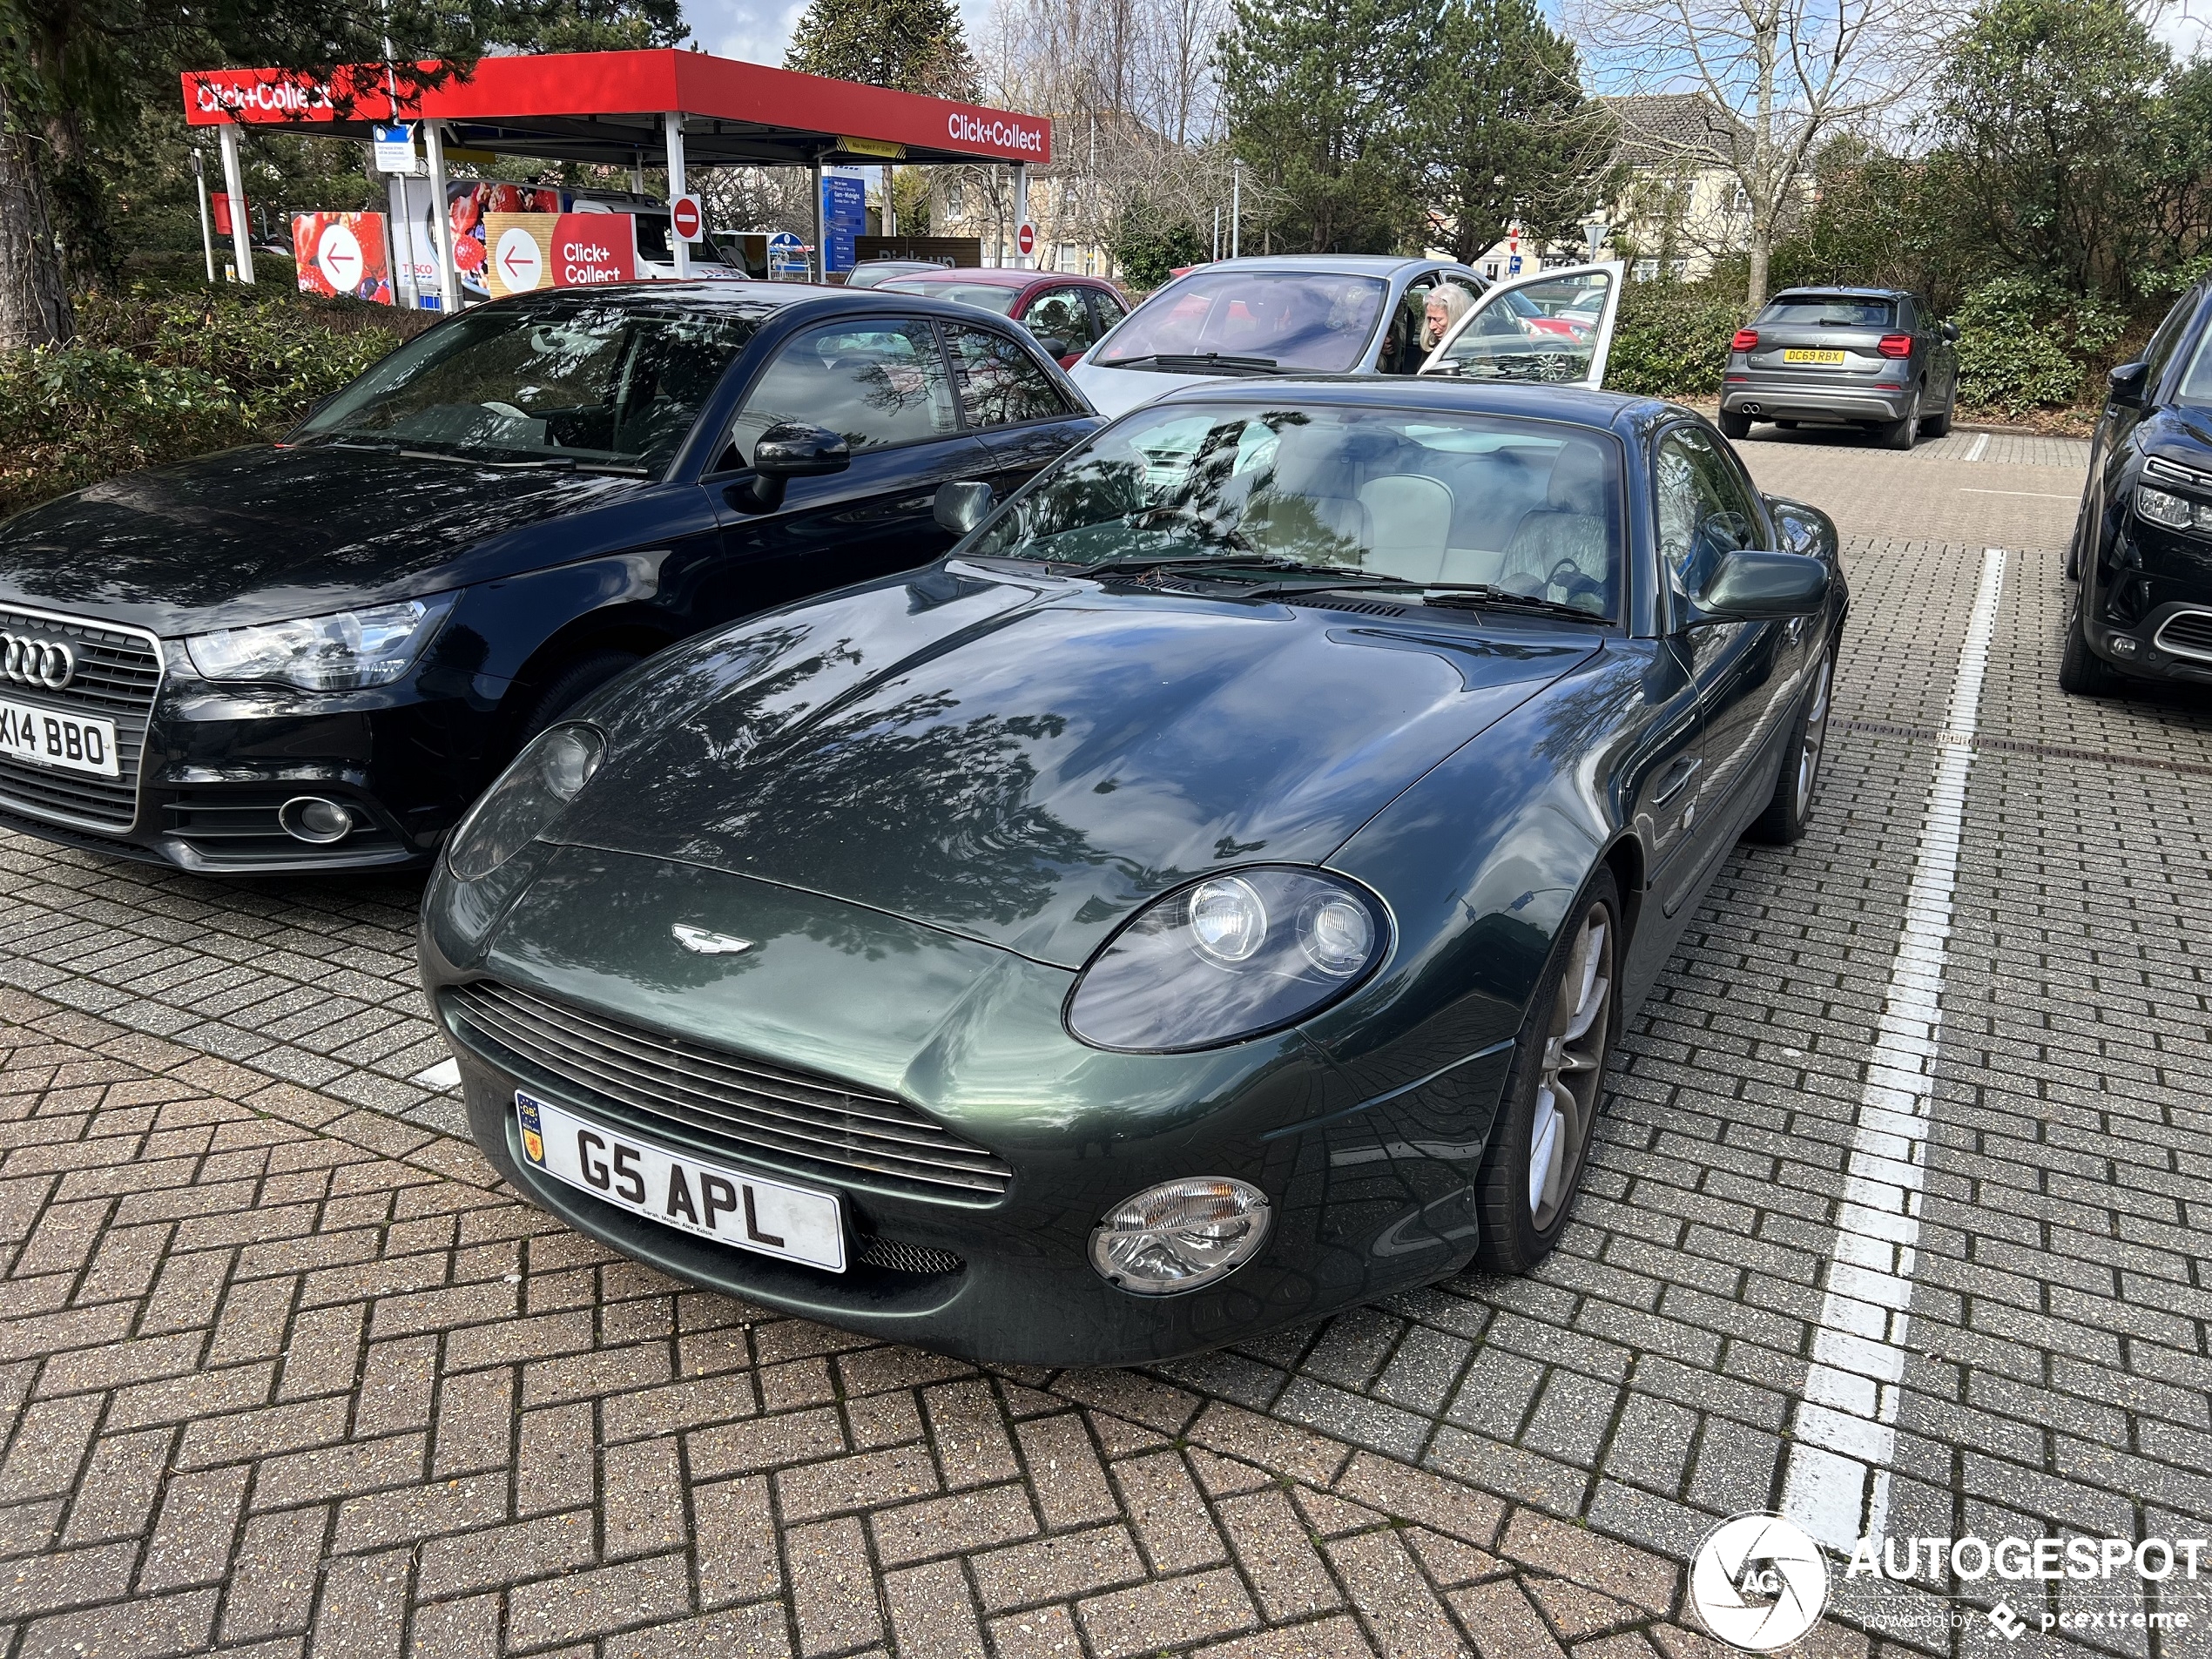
(1574, 1068)
(1815, 735)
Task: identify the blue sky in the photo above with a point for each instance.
(757, 30)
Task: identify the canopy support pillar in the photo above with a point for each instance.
(819, 261)
(434, 140)
(679, 250)
(234, 187)
(1021, 261)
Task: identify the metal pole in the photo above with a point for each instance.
(206, 225)
(818, 262)
(1217, 230)
(234, 186)
(890, 209)
(1235, 205)
(434, 142)
(679, 250)
(1020, 211)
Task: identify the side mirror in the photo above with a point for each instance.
(2128, 384)
(960, 508)
(1763, 587)
(1053, 347)
(792, 449)
(1951, 332)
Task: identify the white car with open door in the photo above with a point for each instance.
(1554, 326)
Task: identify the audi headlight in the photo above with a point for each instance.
(1227, 958)
(1178, 1235)
(344, 652)
(528, 796)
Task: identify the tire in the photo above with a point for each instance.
(1555, 1088)
(2081, 671)
(1734, 425)
(569, 687)
(1939, 425)
(1901, 434)
(1797, 785)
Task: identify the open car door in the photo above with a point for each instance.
(1556, 326)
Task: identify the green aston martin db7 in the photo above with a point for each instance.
(1207, 898)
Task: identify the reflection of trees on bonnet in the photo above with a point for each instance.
(929, 814)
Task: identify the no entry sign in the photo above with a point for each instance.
(684, 214)
(1026, 239)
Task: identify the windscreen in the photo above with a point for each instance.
(575, 379)
(1314, 321)
(1441, 499)
(1831, 310)
(991, 296)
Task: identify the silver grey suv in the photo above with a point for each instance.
(1867, 357)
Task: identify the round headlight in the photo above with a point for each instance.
(549, 774)
(1180, 1235)
(1227, 958)
(1228, 922)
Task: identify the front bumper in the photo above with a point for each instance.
(1792, 398)
(2173, 643)
(1366, 1197)
(214, 766)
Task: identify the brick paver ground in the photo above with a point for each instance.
(287, 1373)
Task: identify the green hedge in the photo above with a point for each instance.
(1671, 339)
(166, 371)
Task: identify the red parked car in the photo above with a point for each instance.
(1067, 313)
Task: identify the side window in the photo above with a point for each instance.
(880, 382)
(1402, 351)
(1061, 315)
(2169, 335)
(1000, 382)
(1108, 309)
(1702, 509)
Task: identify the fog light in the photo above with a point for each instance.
(2124, 645)
(1179, 1235)
(312, 818)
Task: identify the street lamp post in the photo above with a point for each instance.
(1235, 204)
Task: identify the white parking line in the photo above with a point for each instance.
(1845, 1430)
(445, 1076)
(2033, 494)
(1979, 448)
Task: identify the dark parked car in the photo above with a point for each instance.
(1067, 313)
(2142, 543)
(1208, 898)
(314, 654)
(1872, 358)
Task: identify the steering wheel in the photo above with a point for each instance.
(1569, 575)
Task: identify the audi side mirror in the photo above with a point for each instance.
(1763, 587)
(789, 449)
(1053, 347)
(960, 508)
(1951, 332)
(2128, 384)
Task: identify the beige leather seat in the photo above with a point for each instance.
(1568, 537)
(1409, 521)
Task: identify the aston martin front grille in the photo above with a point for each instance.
(117, 673)
(2187, 633)
(726, 1101)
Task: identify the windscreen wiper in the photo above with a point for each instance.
(1333, 574)
(1475, 593)
(1212, 362)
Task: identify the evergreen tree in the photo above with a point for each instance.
(914, 45)
(1318, 95)
(1502, 128)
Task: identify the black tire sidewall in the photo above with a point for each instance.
(575, 681)
(1510, 1240)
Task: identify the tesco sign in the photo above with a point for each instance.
(999, 133)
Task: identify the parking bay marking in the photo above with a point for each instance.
(1846, 1423)
(1981, 447)
(2033, 494)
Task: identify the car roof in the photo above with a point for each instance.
(1819, 289)
(754, 299)
(1322, 263)
(996, 276)
(1576, 405)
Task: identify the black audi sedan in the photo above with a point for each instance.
(1208, 897)
(312, 654)
(2141, 554)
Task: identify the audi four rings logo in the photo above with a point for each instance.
(36, 661)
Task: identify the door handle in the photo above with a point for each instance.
(1676, 777)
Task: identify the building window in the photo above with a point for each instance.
(954, 203)
(1678, 268)
(1647, 269)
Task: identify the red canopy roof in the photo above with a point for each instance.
(606, 107)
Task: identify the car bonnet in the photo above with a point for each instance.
(1026, 763)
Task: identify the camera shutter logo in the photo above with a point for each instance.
(1758, 1582)
(45, 663)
